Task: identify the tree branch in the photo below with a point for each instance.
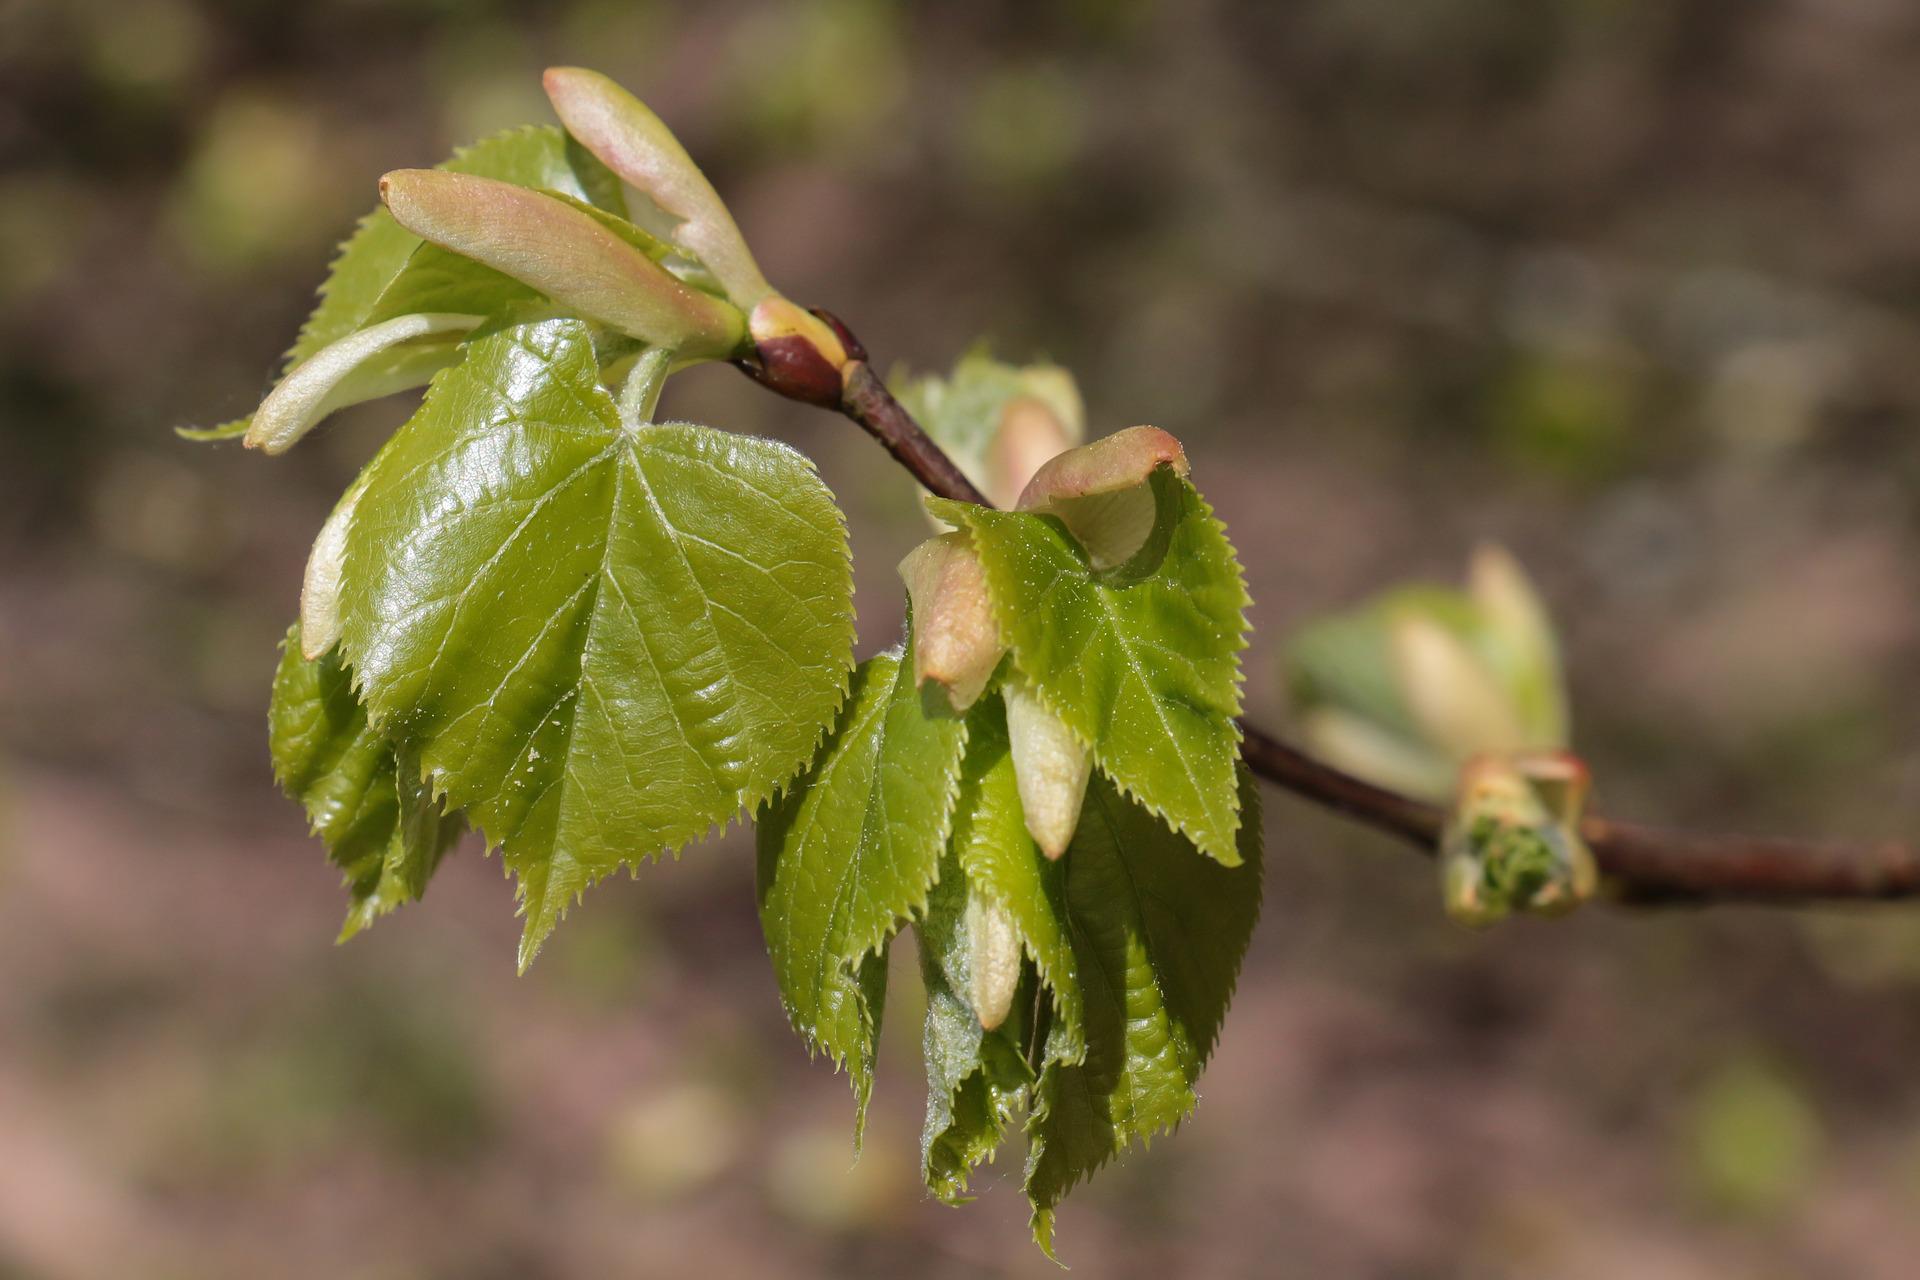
(1643, 865)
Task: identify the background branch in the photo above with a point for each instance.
(1643, 864)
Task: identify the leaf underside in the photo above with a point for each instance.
(600, 641)
(977, 1080)
(850, 852)
(1145, 667)
(364, 800)
(1158, 934)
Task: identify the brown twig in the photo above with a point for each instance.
(1643, 864)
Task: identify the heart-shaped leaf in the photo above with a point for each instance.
(601, 640)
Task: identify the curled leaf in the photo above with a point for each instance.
(993, 973)
(565, 253)
(978, 1076)
(1100, 491)
(363, 795)
(320, 589)
(632, 141)
(956, 643)
(1051, 764)
(328, 380)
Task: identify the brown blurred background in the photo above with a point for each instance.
(1633, 285)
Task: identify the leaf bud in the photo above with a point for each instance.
(956, 643)
(1050, 765)
(993, 961)
(800, 355)
(1512, 843)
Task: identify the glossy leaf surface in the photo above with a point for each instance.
(601, 641)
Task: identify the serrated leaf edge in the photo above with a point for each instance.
(1003, 612)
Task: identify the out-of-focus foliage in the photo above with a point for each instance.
(998, 421)
(1753, 1140)
(1408, 688)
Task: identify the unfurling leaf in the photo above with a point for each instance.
(1408, 688)
(380, 824)
(633, 142)
(600, 641)
(1166, 932)
(1100, 491)
(850, 852)
(956, 641)
(1051, 764)
(327, 381)
(998, 421)
(565, 253)
(1144, 667)
(1512, 842)
(380, 250)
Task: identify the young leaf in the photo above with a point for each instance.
(956, 642)
(564, 252)
(972, 1085)
(977, 1079)
(1004, 866)
(998, 421)
(1052, 765)
(440, 280)
(851, 850)
(379, 250)
(1158, 935)
(636, 144)
(601, 641)
(381, 825)
(1143, 666)
(347, 372)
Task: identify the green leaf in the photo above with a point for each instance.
(851, 850)
(634, 234)
(1158, 935)
(1143, 663)
(977, 1080)
(601, 641)
(380, 249)
(380, 823)
(1004, 866)
(437, 279)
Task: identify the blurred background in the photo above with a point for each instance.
(1632, 285)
